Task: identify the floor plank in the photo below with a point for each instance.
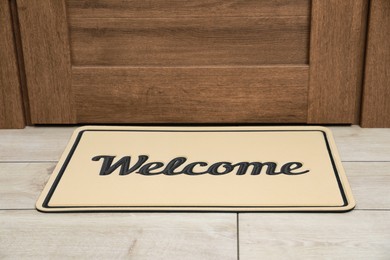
(362, 144)
(47, 143)
(34, 143)
(353, 235)
(370, 184)
(30, 234)
(21, 184)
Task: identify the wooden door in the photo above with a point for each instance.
(376, 93)
(11, 105)
(195, 61)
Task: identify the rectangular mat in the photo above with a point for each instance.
(106, 168)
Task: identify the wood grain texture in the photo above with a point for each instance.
(34, 143)
(353, 235)
(161, 95)
(45, 42)
(175, 8)
(22, 182)
(370, 182)
(30, 234)
(376, 97)
(11, 104)
(189, 41)
(336, 60)
(360, 144)
(20, 60)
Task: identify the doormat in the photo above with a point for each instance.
(239, 169)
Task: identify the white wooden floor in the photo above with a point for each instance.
(28, 156)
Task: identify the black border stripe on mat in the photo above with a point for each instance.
(80, 134)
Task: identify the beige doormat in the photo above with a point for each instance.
(198, 169)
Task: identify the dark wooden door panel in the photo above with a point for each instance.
(44, 33)
(206, 41)
(11, 105)
(338, 30)
(186, 8)
(376, 99)
(203, 95)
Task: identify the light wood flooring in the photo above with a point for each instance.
(28, 156)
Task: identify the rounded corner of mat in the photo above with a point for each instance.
(40, 207)
(350, 205)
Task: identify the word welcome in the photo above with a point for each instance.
(171, 168)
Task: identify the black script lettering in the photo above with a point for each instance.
(189, 169)
(173, 165)
(257, 167)
(290, 166)
(124, 163)
(218, 168)
(214, 168)
(145, 170)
